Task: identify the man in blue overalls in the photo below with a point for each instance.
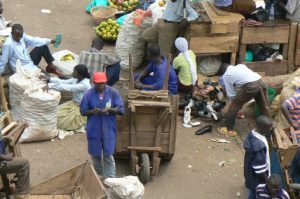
(101, 104)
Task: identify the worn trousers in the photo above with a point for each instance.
(244, 7)
(105, 166)
(19, 166)
(163, 33)
(244, 94)
(41, 52)
(113, 73)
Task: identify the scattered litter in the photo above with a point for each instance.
(62, 134)
(209, 147)
(46, 11)
(20, 5)
(209, 174)
(190, 166)
(222, 164)
(218, 140)
(231, 161)
(38, 150)
(52, 140)
(238, 194)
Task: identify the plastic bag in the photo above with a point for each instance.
(209, 65)
(65, 67)
(157, 11)
(128, 187)
(130, 41)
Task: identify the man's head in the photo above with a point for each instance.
(100, 79)
(97, 43)
(273, 185)
(155, 53)
(222, 69)
(1, 8)
(17, 32)
(264, 125)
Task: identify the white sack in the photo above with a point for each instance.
(65, 67)
(130, 41)
(128, 187)
(39, 110)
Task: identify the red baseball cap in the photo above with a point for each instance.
(99, 77)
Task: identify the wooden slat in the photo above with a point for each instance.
(297, 50)
(149, 103)
(214, 44)
(162, 94)
(139, 148)
(291, 47)
(131, 77)
(269, 68)
(260, 35)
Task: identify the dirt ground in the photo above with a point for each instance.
(194, 171)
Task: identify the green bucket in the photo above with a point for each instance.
(271, 96)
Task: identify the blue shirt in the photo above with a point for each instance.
(222, 3)
(159, 74)
(262, 192)
(174, 11)
(12, 51)
(71, 85)
(101, 129)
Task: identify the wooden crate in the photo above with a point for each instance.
(146, 119)
(81, 180)
(271, 32)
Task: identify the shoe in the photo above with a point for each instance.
(51, 69)
(204, 130)
(22, 196)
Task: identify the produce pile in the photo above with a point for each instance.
(123, 5)
(108, 30)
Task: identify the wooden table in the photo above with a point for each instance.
(215, 32)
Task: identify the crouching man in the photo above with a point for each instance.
(15, 165)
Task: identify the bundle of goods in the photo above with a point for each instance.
(103, 13)
(31, 104)
(123, 5)
(108, 30)
(65, 61)
(129, 39)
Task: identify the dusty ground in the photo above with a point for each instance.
(194, 171)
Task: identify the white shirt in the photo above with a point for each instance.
(71, 85)
(293, 10)
(12, 51)
(237, 76)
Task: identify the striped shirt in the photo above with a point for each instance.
(262, 192)
(98, 60)
(293, 105)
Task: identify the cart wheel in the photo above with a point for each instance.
(144, 173)
(168, 157)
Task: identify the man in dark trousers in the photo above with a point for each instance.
(257, 158)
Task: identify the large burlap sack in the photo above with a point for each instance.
(65, 67)
(18, 83)
(39, 110)
(209, 65)
(130, 42)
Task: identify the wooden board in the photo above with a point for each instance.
(222, 21)
(260, 35)
(214, 44)
(297, 49)
(269, 68)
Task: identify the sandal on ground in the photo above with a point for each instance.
(224, 131)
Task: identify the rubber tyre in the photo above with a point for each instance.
(144, 173)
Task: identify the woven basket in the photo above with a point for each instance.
(103, 13)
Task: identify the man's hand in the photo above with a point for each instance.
(6, 157)
(95, 111)
(138, 84)
(45, 88)
(9, 24)
(43, 77)
(106, 110)
(53, 41)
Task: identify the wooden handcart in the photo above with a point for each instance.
(147, 132)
